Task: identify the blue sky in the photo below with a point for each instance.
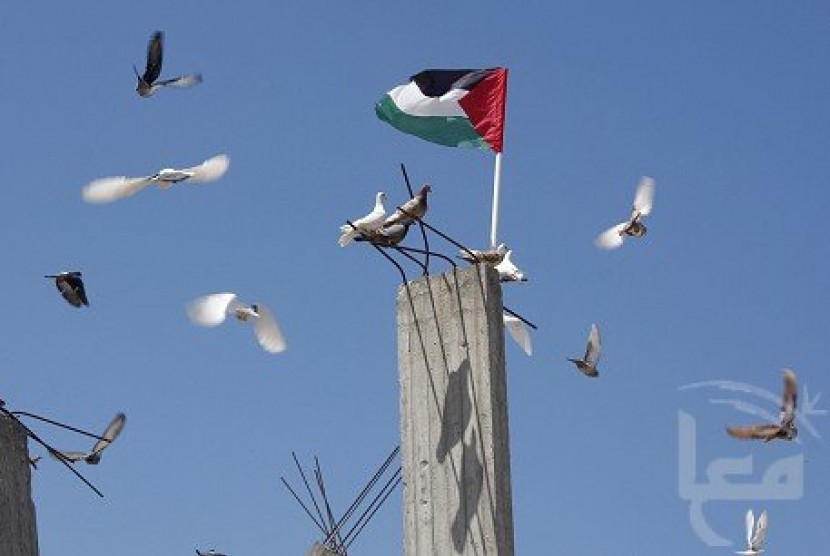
(723, 103)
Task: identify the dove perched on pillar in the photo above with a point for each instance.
(388, 237)
(633, 227)
(71, 287)
(508, 271)
(413, 209)
(588, 364)
(211, 310)
(756, 534)
(107, 190)
(94, 457)
(365, 225)
(489, 256)
(785, 429)
(147, 82)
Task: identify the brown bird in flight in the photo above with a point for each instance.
(785, 429)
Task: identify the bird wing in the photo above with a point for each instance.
(111, 433)
(757, 541)
(789, 398)
(592, 352)
(754, 432)
(107, 190)
(71, 457)
(518, 331)
(644, 198)
(182, 81)
(210, 170)
(750, 525)
(154, 57)
(612, 237)
(268, 332)
(78, 286)
(211, 310)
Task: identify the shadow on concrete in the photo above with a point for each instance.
(456, 414)
(473, 477)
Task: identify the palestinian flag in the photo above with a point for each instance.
(456, 108)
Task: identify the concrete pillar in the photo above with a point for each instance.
(18, 533)
(454, 433)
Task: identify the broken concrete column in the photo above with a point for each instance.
(453, 404)
(18, 533)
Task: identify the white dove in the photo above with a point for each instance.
(365, 225)
(519, 332)
(756, 533)
(107, 190)
(211, 310)
(509, 272)
(634, 227)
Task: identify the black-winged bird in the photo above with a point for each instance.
(71, 287)
(148, 81)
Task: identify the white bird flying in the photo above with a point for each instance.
(94, 457)
(211, 310)
(148, 82)
(489, 256)
(634, 227)
(413, 209)
(365, 225)
(756, 534)
(519, 332)
(588, 364)
(508, 271)
(107, 190)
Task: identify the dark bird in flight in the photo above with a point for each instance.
(588, 364)
(785, 429)
(71, 287)
(148, 82)
(413, 209)
(633, 227)
(210, 552)
(94, 457)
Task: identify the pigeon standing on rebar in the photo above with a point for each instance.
(633, 227)
(388, 237)
(365, 225)
(756, 534)
(588, 364)
(508, 271)
(94, 457)
(488, 256)
(211, 310)
(785, 429)
(518, 331)
(107, 190)
(413, 209)
(147, 82)
(71, 286)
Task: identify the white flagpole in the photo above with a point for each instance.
(494, 221)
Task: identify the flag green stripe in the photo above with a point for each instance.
(449, 131)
